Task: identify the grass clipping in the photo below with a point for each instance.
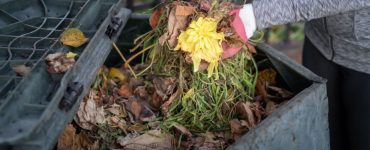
(186, 42)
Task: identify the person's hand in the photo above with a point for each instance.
(244, 25)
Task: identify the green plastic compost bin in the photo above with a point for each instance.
(35, 108)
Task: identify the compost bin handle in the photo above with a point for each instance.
(115, 23)
(71, 96)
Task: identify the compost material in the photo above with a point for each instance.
(183, 95)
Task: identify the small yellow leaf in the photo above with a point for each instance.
(71, 55)
(73, 37)
(115, 73)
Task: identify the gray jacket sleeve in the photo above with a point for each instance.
(277, 12)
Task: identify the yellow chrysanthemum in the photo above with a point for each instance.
(203, 42)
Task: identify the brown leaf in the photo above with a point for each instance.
(268, 75)
(270, 107)
(125, 91)
(246, 112)
(164, 85)
(141, 91)
(89, 114)
(156, 101)
(116, 110)
(22, 70)
(237, 128)
(174, 26)
(153, 139)
(115, 121)
(69, 140)
(155, 16)
(184, 10)
(279, 93)
(205, 5)
(182, 130)
(140, 109)
(59, 63)
(168, 103)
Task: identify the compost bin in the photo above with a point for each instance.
(35, 107)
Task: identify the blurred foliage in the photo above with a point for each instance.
(278, 34)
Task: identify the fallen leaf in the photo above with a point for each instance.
(116, 109)
(71, 55)
(125, 91)
(268, 75)
(182, 130)
(237, 129)
(141, 91)
(165, 107)
(135, 82)
(59, 63)
(116, 121)
(175, 24)
(278, 94)
(140, 109)
(73, 37)
(205, 5)
(89, 114)
(184, 10)
(246, 112)
(22, 70)
(156, 101)
(155, 16)
(69, 140)
(270, 107)
(117, 74)
(153, 139)
(164, 85)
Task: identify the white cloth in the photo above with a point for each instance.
(246, 14)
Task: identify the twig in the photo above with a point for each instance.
(124, 59)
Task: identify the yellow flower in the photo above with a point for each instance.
(203, 42)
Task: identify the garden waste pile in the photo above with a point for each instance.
(184, 95)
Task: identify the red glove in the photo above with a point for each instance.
(239, 24)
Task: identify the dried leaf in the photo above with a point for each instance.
(164, 85)
(279, 93)
(59, 63)
(155, 16)
(268, 75)
(141, 91)
(205, 5)
(125, 91)
(89, 114)
(237, 129)
(174, 26)
(116, 109)
(153, 139)
(69, 140)
(182, 130)
(270, 107)
(168, 103)
(71, 55)
(22, 70)
(140, 109)
(184, 10)
(73, 37)
(156, 101)
(117, 74)
(246, 112)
